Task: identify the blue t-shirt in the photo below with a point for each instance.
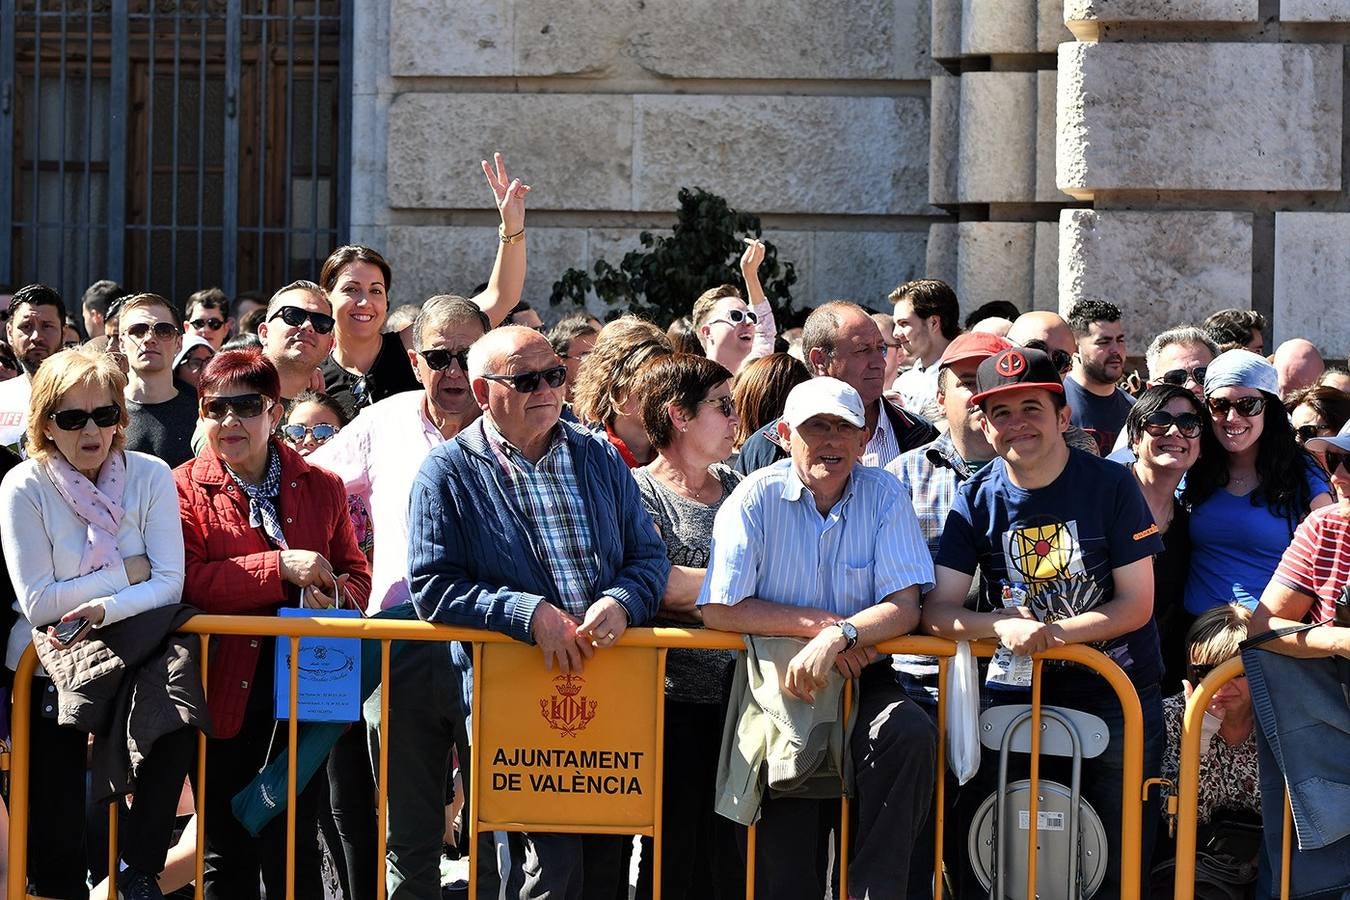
(1237, 543)
(1062, 541)
(1101, 417)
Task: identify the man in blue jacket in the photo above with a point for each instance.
(530, 526)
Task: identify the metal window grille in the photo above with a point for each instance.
(172, 144)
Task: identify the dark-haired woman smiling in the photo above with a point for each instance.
(1163, 429)
(1251, 487)
(261, 529)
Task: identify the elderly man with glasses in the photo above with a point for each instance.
(530, 526)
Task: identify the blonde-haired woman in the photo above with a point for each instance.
(603, 396)
(91, 536)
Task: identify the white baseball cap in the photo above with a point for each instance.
(824, 396)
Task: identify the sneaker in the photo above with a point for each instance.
(133, 884)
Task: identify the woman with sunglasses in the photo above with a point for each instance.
(1163, 429)
(1251, 487)
(603, 396)
(367, 365)
(686, 408)
(732, 331)
(262, 529)
(1229, 790)
(91, 535)
(1317, 411)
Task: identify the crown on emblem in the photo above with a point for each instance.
(568, 685)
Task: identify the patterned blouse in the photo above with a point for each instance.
(1227, 773)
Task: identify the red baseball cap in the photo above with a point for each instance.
(973, 345)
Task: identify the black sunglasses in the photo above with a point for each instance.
(1245, 406)
(528, 382)
(1305, 433)
(1336, 459)
(724, 405)
(1189, 424)
(76, 419)
(163, 330)
(1179, 377)
(294, 316)
(211, 323)
(437, 360)
(244, 406)
(321, 432)
(1197, 673)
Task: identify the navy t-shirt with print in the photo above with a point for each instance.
(1101, 417)
(1061, 541)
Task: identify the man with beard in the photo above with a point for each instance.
(36, 321)
(1098, 406)
(297, 335)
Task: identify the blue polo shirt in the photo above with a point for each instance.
(769, 541)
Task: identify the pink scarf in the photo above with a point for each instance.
(99, 506)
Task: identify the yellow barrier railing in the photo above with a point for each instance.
(386, 631)
(1188, 790)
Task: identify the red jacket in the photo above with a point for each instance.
(231, 567)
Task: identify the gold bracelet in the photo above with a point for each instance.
(510, 239)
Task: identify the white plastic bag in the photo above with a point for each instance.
(963, 714)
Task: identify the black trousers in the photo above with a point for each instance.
(58, 792)
(701, 852)
(347, 814)
(894, 751)
(234, 858)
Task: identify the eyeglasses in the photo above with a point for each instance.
(736, 317)
(723, 404)
(210, 324)
(439, 359)
(297, 433)
(1179, 377)
(363, 391)
(1196, 673)
(294, 316)
(1305, 433)
(194, 364)
(1245, 406)
(163, 331)
(528, 382)
(244, 406)
(1336, 459)
(76, 419)
(1189, 424)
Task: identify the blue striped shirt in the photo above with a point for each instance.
(770, 542)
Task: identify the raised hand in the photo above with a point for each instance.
(751, 259)
(509, 194)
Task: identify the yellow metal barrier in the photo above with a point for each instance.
(386, 631)
(1188, 790)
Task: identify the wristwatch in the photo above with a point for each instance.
(850, 633)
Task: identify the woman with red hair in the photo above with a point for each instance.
(261, 530)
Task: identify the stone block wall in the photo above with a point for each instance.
(1209, 138)
(992, 150)
(815, 116)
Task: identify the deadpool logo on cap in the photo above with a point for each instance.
(1011, 364)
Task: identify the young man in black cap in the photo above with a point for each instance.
(1063, 542)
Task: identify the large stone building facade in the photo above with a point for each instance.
(1174, 157)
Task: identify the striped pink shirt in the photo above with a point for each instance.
(1317, 563)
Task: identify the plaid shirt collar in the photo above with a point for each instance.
(508, 454)
(942, 453)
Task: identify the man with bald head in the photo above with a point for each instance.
(1299, 365)
(527, 525)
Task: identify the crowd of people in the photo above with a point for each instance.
(821, 490)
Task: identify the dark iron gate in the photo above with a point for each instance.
(172, 144)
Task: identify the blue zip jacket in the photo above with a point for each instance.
(472, 559)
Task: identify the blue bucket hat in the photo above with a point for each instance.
(1242, 368)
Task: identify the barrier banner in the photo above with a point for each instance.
(558, 750)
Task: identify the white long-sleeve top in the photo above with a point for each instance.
(44, 539)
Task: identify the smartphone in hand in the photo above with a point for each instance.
(64, 634)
